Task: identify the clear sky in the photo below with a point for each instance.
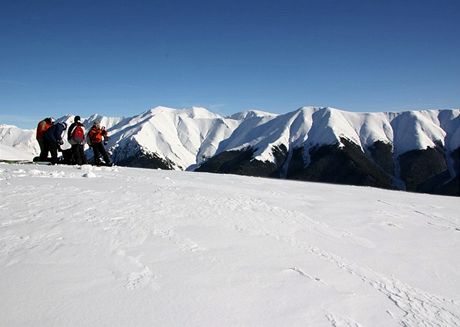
(122, 57)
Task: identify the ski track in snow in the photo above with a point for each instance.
(419, 307)
(131, 222)
(337, 321)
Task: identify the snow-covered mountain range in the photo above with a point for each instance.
(414, 150)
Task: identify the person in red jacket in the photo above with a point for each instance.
(42, 127)
(76, 137)
(97, 138)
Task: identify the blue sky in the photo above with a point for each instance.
(120, 58)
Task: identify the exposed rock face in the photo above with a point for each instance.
(423, 167)
(452, 187)
(423, 171)
(341, 165)
(241, 163)
(455, 156)
(382, 154)
(416, 151)
(146, 161)
(440, 180)
(136, 156)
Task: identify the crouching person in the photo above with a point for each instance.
(97, 138)
(76, 137)
(53, 140)
(42, 127)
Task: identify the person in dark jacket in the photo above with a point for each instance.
(42, 127)
(53, 140)
(76, 137)
(97, 138)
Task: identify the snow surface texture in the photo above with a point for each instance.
(186, 137)
(92, 246)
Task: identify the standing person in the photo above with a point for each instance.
(42, 127)
(76, 137)
(53, 140)
(96, 136)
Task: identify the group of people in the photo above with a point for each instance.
(50, 138)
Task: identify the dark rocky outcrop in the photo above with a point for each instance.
(452, 187)
(382, 154)
(455, 156)
(424, 170)
(241, 163)
(143, 160)
(442, 183)
(140, 159)
(339, 165)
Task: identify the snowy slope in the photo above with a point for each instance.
(450, 122)
(13, 154)
(17, 143)
(417, 130)
(118, 246)
(183, 136)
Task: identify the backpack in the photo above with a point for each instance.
(78, 134)
(41, 128)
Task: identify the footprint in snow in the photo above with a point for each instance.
(140, 279)
(393, 225)
(134, 273)
(304, 274)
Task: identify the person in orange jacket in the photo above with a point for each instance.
(42, 127)
(97, 138)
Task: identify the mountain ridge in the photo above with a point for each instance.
(283, 145)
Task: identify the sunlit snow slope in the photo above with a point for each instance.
(17, 143)
(88, 246)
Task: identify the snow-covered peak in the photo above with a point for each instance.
(449, 121)
(105, 121)
(369, 127)
(157, 109)
(199, 113)
(177, 135)
(17, 143)
(171, 113)
(417, 130)
(251, 114)
(5, 126)
(329, 125)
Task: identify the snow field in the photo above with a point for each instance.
(167, 248)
